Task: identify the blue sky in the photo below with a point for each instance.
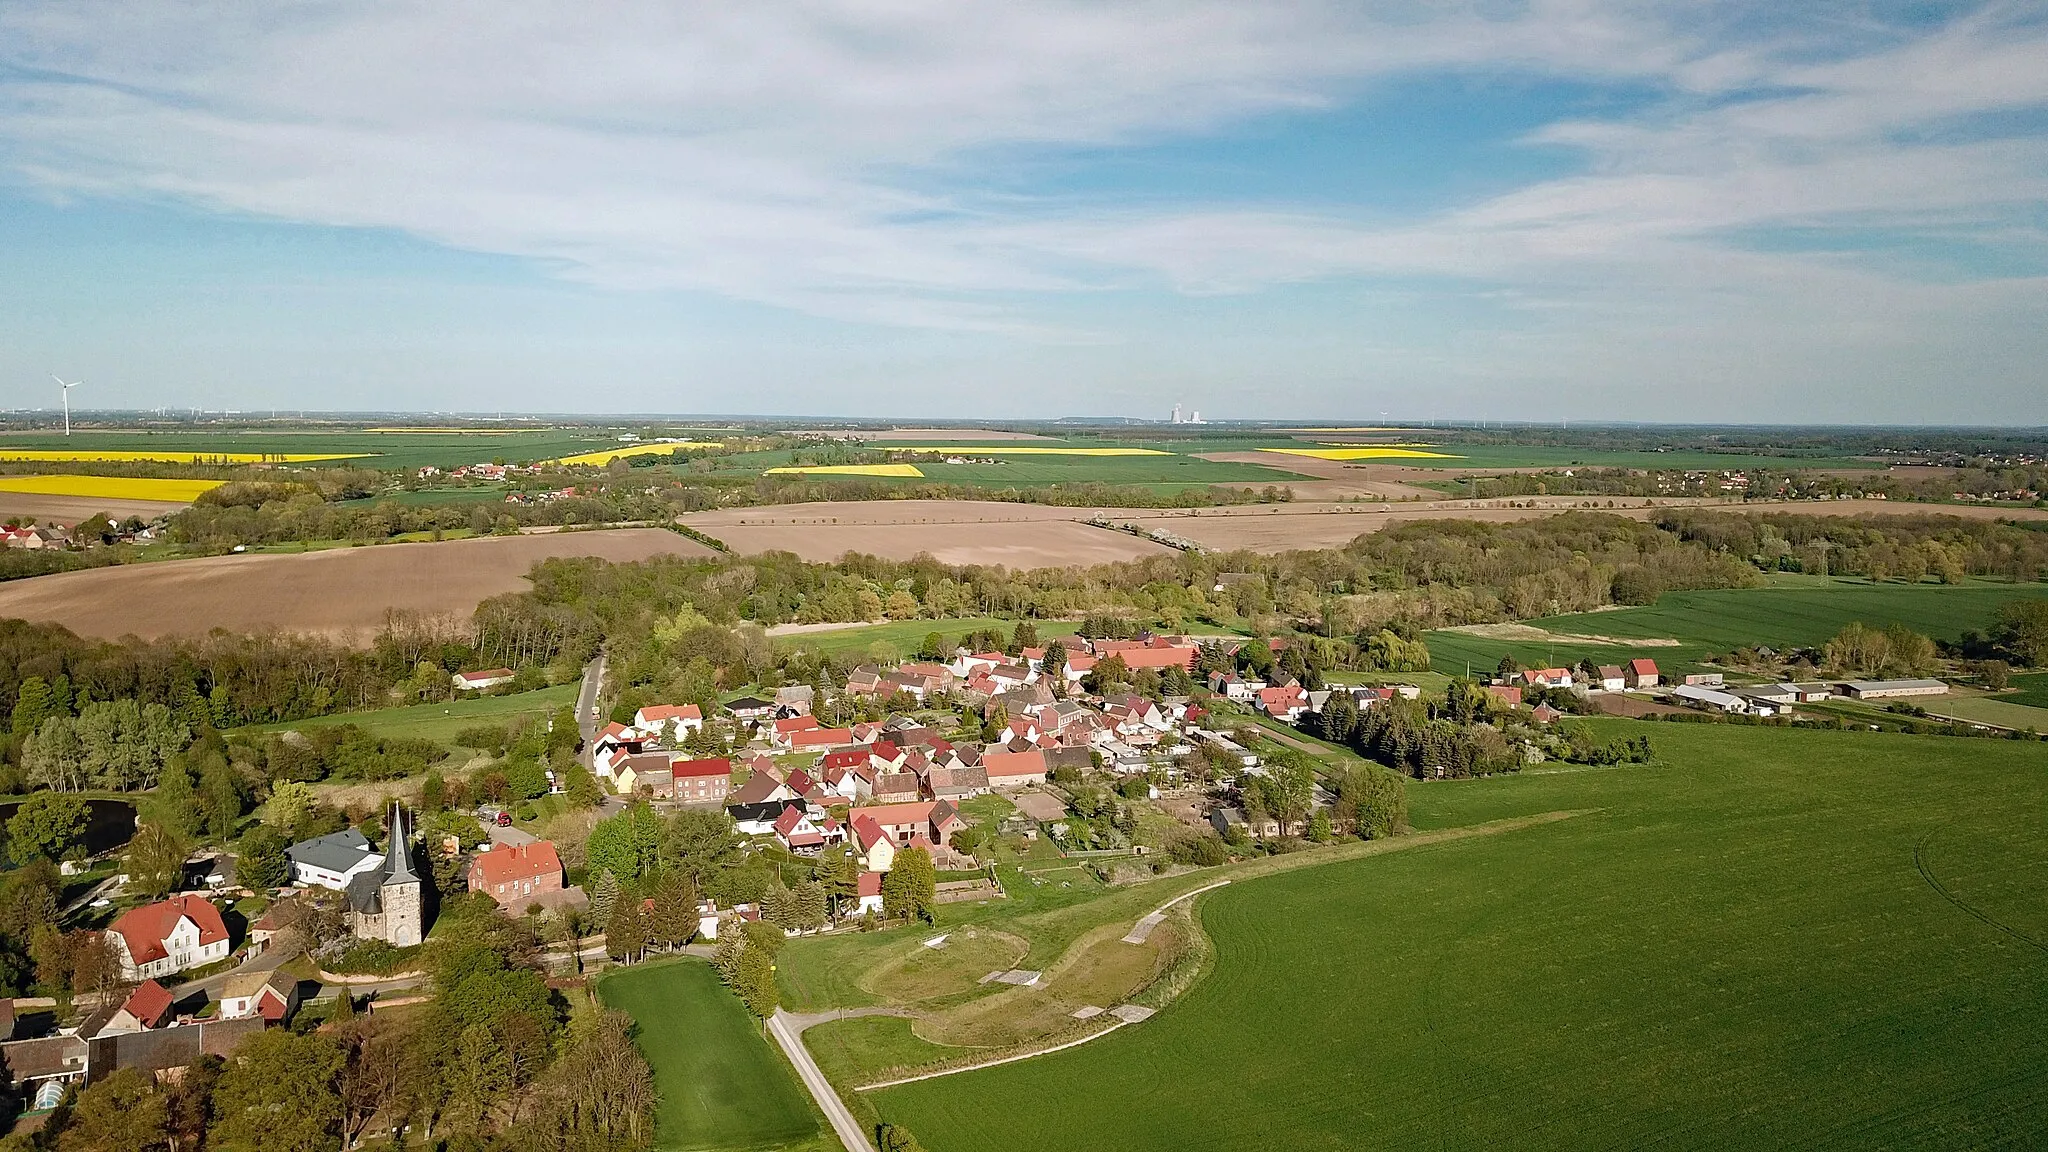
(1541, 210)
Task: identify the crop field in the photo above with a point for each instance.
(904, 636)
(2002, 713)
(897, 471)
(403, 450)
(721, 1084)
(605, 456)
(2030, 690)
(342, 593)
(111, 487)
(1794, 611)
(1382, 452)
(440, 722)
(1770, 938)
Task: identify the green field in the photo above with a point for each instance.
(1772, 938)
(440, 722)
(904, 636)
(722, 1085)
(2031, 690)
(2002, 713)
(1163, 473)
(1793, 611)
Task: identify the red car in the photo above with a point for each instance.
(504, 819)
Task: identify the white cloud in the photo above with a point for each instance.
(822, 156)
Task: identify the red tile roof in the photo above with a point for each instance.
(1006, 765)
(144, 928)
(716, 766)
(796, 724)
(150, 1003)
(523, 862)
(1642, 667)
(814, 737)
(870, 884)
(663, 713)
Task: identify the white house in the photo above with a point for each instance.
(331, 861)
(168, 936)
(655, 719)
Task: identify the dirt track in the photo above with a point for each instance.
(342, 593)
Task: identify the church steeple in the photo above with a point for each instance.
(398, 850)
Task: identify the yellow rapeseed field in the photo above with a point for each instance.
(1380, 453)
(168, 456)
(978, 450)
(600, 459)
(110, 487)
(900, 470)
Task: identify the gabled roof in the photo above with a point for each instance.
(1643, 667)
(869, 884)
(150, 1004)
(866, 832)
(809, 737)
(335, 852)
(144, 929)
(760, 788)
(716, 766)
(789, 724)
(504, 864)
(657, 714)
(1005, 765)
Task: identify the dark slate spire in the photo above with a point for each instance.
(398, 849)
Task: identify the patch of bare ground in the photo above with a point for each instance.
(1332, 479)
(1530, 634)
(954, 532)
(72, 509)
(341, 593)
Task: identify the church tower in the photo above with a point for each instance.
(399, 892)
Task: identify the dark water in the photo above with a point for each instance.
(112, 824)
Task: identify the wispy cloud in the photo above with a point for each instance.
(820, 156)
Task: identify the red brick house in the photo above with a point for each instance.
(702, 781)
(514, 876)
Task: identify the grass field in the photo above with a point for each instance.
(2031, 690)
(722, 1085)
(2003, 713)
(1795, 611)
(440, 722)
(904, 636)
(1770, 939)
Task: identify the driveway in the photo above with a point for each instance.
(787, 1032)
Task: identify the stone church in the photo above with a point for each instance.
(385, 903)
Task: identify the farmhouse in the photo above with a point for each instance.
(932, 820)
(517, 875)
(1547, 677)
(331, 861)
(273, 995)
(1014, 769)
(478, 681)
(1642, 673)
(1612, 678)
(701, 781)
(168, 936)
(877, 851)
(149, 1006)
(656, 718)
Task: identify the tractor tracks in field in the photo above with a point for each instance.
(1927, 873)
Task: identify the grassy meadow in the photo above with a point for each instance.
(440, 722)
(1770, 938)
(1792, 611)
(722, 1083)
(904, 636)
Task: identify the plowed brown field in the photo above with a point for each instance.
(342, 593)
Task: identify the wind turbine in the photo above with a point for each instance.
(67, 400)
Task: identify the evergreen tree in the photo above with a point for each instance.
(175, 803)
(604, 897)
(1026, 636)
(625, 932)
(1055, 662)
(910, 887)
(756, 984)
(674, 920)
(726, 955)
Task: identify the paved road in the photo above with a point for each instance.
(787, 1033)
(586, 703)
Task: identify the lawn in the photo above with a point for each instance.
(721, 1083)
(905, 636)
(2003, 713)
(1771, 938)
(440, 722)
(1792, 611)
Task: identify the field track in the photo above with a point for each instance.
(342, 593)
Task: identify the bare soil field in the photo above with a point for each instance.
(68, 510)
(1332, 479)
(952, 531)
(342, 593)
(1032, 535)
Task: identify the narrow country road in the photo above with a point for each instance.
(787, 1034)
(586, 703)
